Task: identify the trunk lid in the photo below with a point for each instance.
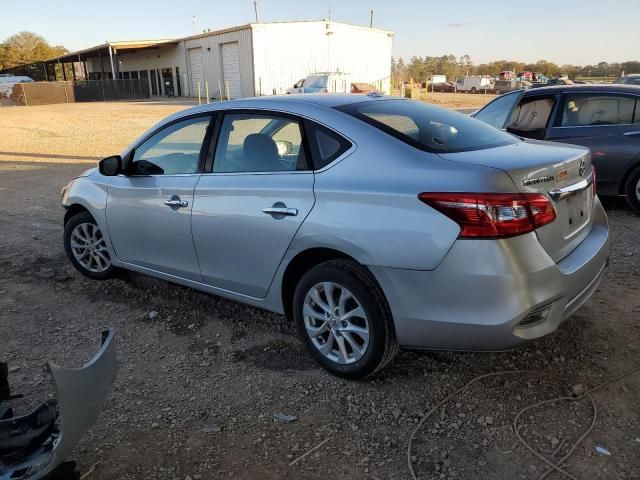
(561, 172)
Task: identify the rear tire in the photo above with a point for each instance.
(632, 190)
(361, 344)
(473, 90)
(86, 247)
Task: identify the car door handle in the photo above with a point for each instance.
(176, 202)
(632, 134)
(280, 211)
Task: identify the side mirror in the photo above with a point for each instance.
(110, 166)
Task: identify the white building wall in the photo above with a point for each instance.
(286, 52)
(211, 45)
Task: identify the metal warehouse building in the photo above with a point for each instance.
(248, 60)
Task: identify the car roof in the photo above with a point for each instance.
(323, 99)
(585, 88)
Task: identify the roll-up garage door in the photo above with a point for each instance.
(195, 62)
(231, 68)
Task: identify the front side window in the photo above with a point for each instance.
(584, 110)
(259, 143)
(428, 127)
(173, 150)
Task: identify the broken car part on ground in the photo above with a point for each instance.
(33, 445)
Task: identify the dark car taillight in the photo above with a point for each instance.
(493, 215)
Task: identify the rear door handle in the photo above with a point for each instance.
(176, 202)
(280, 211)
(632, 134)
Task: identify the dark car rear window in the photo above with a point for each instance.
(427, 127)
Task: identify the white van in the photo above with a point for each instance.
(436, 79)
(474, 84)
(323, 82)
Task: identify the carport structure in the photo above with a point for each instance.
(104, 60)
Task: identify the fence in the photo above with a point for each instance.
(43, 93)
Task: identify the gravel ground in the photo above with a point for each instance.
(200, 382)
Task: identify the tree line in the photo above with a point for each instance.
(26, 47)
(419, 68)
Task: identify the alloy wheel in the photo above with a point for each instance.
(89, 247)
(336, 323)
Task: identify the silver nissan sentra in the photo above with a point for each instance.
(374, 223)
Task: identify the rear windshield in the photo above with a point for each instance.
(428, 127)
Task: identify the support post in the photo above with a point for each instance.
(220, 91)
(226, 84)
(73, 70)
(199, 95)
(46, 74)
(113, 70)
(206, 84)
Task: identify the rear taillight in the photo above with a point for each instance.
(493, 215)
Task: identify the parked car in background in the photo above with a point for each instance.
(372, 222)
(604, 118)
(633, 79)
(297, 87)
(560, 81)
(7, 83)
(474, 84)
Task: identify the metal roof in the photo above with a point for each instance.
(121, 45)
(588, 87)
(142, 44)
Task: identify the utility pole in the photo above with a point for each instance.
(371, 20)
(255, 7)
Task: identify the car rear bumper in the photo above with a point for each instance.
(494, 294)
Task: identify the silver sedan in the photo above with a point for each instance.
(373, 223)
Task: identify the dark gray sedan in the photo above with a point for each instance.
(604, 118)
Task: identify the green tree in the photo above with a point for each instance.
(27, 47)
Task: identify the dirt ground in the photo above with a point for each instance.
(459, 100)
(200, 382)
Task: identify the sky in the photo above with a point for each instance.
(578, 32)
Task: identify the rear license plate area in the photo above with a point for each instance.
(578, 209)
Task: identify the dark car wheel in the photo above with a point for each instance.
(632, 190)
(344, 319)
(86, 247)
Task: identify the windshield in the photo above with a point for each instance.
(428, 127)
(316, 82)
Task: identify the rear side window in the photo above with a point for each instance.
(584, 110)
(329, 146)
(427, 127)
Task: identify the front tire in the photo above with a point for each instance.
(632, 190)
(86, 247)
(344, 319)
